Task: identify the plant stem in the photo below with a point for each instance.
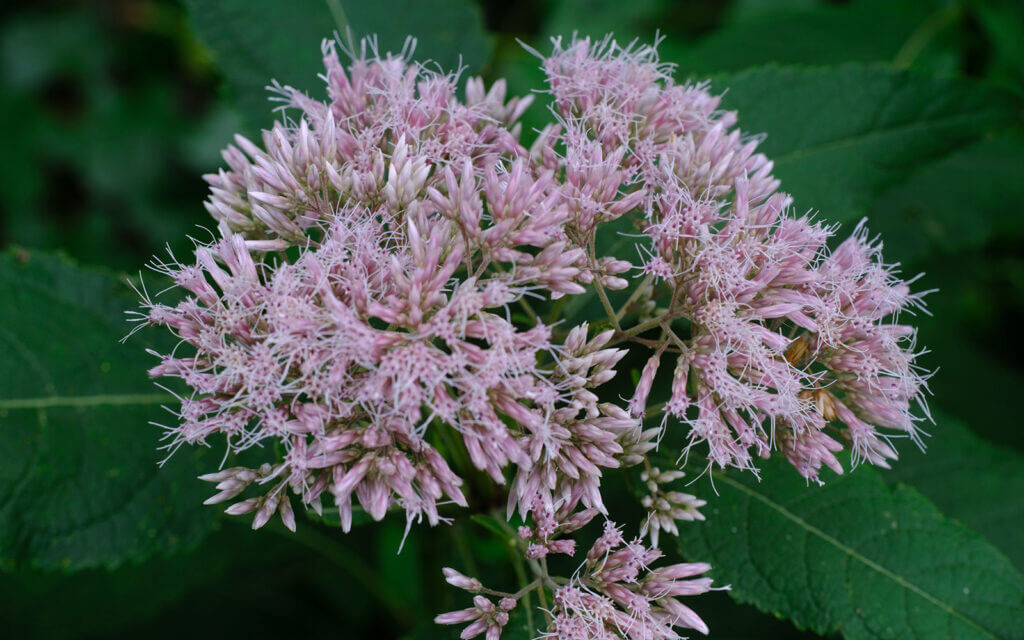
(340, 19)
(919, 39)
(623, 335)
(633, 297)
(352, 564)
(601, 293)
(606, 303)
(520, 568)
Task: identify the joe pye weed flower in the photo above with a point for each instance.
(384, 291)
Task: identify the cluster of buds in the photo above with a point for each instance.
(542, 537)
(665, 508)
(484, 616)
(231, 482)
(615, 594)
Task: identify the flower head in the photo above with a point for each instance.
(366, 305)
(365, 317)
(771, 338)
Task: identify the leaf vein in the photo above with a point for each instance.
(854, 554)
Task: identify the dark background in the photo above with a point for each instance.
(111, 112)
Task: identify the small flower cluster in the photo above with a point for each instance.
(366, 310)
(665, 508)
(542, 538)
(484, 616)
(616, 595)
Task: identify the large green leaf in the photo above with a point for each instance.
(977, 483)
(448, 32)
(97, 603)
(212, 591)
(973, 338)
(257, 41)
(840, 136)
(80, 485)
(596, 18)
(954, 204)
(854, 556)
(819, 34)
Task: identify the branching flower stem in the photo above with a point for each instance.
(637, 292)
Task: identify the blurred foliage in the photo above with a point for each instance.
(112, 124)
(115, 109)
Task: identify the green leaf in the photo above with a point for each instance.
(1003, 23)
(597, 18)
(80, 486)
(973, 338)
(854, 556)
(257, 41)
(448, 32)
(840, 136)
(969, 479)
(820, 34)
(954, 204)
(97, 603)
(492, 524)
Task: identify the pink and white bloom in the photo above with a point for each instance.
(366, 308)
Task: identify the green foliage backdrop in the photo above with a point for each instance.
(909, 113)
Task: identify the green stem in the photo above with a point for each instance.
(633, 297)
(556, 309)
(340, 19)
(622, 336)
(650, 412)
(520, 568)
(606, 303)
(925, 33)
(352, 564)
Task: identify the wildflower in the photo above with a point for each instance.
(416, 222)
(615, 594)
(484, 617)
(774, 337)
(368, 295)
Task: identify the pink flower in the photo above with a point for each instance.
(484, 617)
(412, 223)
(615, 594)
(774, 338)
(369, 294)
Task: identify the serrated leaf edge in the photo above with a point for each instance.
(851, 552)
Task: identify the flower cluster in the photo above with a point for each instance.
(776, 342)
(484, 617)
(615, 594)
(377, 314)
(416, 221)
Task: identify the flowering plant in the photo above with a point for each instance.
(383, 311)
